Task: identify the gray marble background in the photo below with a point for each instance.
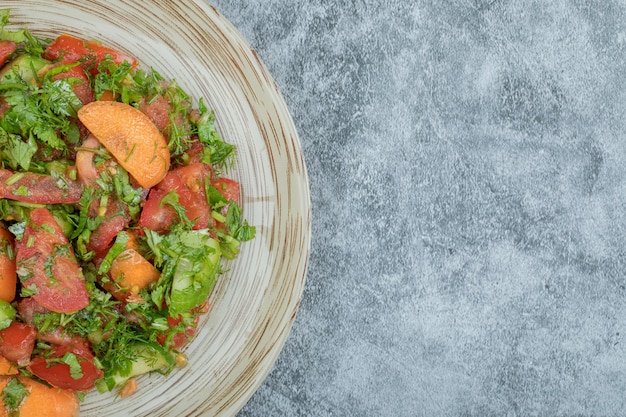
(467, 163)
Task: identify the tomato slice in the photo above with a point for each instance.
(69, 48)
(158, 110)
(82, 88)
(45, 259)
(6, 49)
(181, 338)
(55, 370)
(29, 187)
(17, 342)
(228, 188)
(116, 219)
(188, 182)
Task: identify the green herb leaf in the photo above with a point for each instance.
(216, 151)
(70, 359)
(240, 231)
(14, 394)
(7, 314)
(118, 247)
(16, 152)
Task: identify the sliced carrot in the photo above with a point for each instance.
(132, 242)
(129, 388)
(131, 137)
(42, 400)
(8, 276)
(7, 367)
(107, 95)
(130, 272)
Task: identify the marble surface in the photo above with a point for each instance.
(467, 165)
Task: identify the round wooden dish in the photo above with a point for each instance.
(254, 304)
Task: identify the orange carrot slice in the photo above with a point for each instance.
(8, 276)
(131, 137)
(130, 272)
(7, 367)
(107, 95)
(42, 400)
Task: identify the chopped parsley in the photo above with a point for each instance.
(13, 395)
(129, 329)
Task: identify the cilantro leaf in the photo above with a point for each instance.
(240, 231)
(60, 98)
(14, 394)
(71, 360)
(15, 151)
(216, 151)
(118, 247)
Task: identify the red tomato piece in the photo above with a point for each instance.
(82, 88)
(194, 153)
(181, 338)
(29, 187)
(158, 110)
(57, 373)
(228, 188)
(188, 182)
(70, 48)
(17, 342)
(27, 308)
(45, 259)
(116, 219)
(6, 49)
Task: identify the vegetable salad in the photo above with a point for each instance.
(116, 211)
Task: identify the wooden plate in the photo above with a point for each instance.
(254, 304)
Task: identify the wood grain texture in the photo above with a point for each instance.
(254, 304)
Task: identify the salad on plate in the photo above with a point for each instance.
(116, 211)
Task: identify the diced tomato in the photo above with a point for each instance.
(29, 187)
(6, 49)
(17, 342)
(57, 373)
(158, 110)
(194, 153)
(69, 48)
(82, 88)
(27, 308)
(228, 188)
(58, 336)
(181, 338)
(116, 219)
(46, 260)
(188, 182)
